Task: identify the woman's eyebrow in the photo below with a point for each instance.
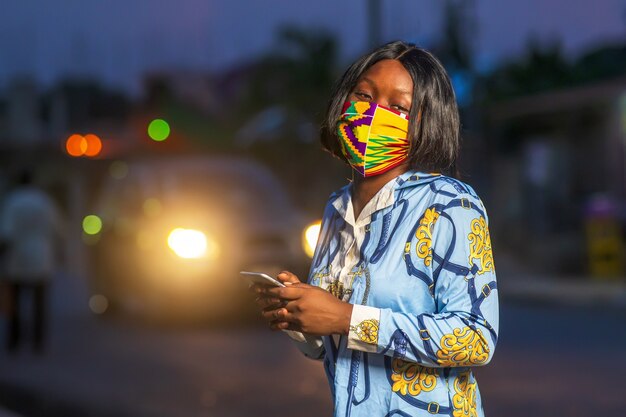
(367, 80)
(404, 92)
(373, 84)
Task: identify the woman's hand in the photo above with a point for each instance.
(307, 309)
(265, 301)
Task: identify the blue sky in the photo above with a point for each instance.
(118, 40)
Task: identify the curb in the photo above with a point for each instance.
(575, 292)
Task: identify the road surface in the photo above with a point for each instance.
(549, 361)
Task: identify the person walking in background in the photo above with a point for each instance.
(30, 227)
(401, 300)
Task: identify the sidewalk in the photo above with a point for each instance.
(575, 291)
(572, 291)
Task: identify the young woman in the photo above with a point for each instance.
(401, 300)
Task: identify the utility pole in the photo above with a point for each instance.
(374, 17)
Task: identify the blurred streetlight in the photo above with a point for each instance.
(79, 145)
(309, 237)
(158, 130)
(93, 145)
(92, 224)
(190, 244)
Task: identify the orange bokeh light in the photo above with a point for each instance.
(75, 145)
(88, 145)
(93, 145)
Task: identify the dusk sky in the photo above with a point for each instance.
(118, 40)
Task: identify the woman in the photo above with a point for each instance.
(401, 300)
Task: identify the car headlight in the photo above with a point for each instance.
(309, 237)
(191, 244)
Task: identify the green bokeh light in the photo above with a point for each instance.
(158, 130)
(92, 225)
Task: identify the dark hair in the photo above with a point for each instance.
(434, 126)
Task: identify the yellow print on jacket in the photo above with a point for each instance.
(480, 246)
(464, 399)
(424, 234)
(336, 288)
(463, 347)
(411, 378)
(318, 278)
(366, 331)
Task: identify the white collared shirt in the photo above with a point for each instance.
(351, 239)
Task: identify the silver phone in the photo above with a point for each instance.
(261, 278)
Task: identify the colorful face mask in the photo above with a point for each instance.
(373, 137)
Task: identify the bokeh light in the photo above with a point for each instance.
(98, 303)
(310, 236)
(118, 169)
(88, 145)
(187, 243)
(75, 145)
(158, 130)
(92, 224)
(93, 145)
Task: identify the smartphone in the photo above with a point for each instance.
(261, 278)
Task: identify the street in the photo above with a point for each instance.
(556, 361)
(549, 361)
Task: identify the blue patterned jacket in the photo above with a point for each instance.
(425, 302)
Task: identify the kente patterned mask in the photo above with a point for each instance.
(373, 137)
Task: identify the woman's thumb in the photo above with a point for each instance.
(288, 278)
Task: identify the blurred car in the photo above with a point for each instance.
(176, 232)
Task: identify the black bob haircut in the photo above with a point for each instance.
(434, 126)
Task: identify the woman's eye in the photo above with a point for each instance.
(362, 95)
(401, 109)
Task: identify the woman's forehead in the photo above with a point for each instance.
(388, 73)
